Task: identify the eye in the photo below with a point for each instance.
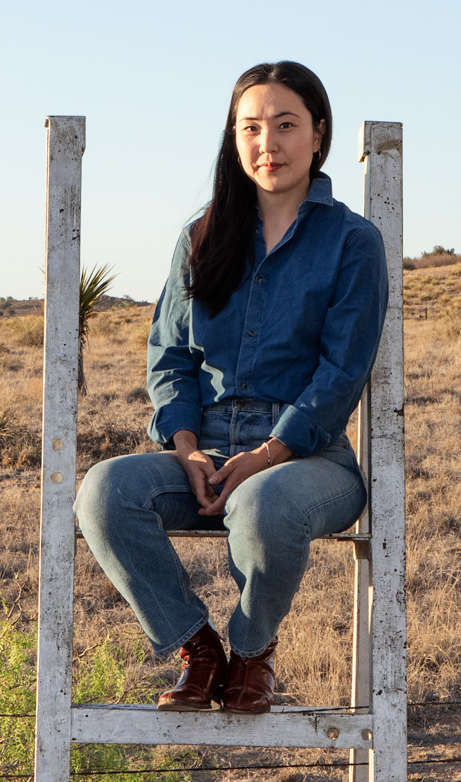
(286, 125)
(250, 128)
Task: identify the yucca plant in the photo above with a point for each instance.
(93, 285)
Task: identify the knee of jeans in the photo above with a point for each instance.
(250, 508)
(102, 494)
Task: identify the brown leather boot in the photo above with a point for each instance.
(250, 683)
(203, 670)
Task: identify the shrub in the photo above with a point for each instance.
(138, 394)
(17, 679)
(141, 332)
(408, 263)
(8, 421)
(444, 259)
(102, 325)
(28, 330)
(439, 250)
(99, 678)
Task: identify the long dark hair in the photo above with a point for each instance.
(222, 239)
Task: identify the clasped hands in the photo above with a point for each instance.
(203, 476)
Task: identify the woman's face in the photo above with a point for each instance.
(276, 139)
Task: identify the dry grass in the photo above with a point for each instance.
(433, 512)
(314, 660)
(432, 293)
(441, 259)
(27, 331)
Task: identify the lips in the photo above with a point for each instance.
(270, 167)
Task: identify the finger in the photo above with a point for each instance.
(217, 507)
(220, 475)
(199, 484)
(205, 495)
(204, 501)
(214, 509)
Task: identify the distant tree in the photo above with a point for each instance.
(439, 250)
(93, 285)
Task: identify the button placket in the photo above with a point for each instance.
(250, 341)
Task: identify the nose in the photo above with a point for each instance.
(268, 143)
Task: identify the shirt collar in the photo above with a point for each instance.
(320, 192)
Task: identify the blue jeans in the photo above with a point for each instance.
(126, 504)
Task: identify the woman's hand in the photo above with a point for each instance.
(240, 467)
(197, 465)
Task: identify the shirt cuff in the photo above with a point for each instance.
(298, 431)
(171, 418)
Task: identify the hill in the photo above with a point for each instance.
(432, 292)
(35, 306)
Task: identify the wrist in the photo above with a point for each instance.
(185, 440)
(277, 451)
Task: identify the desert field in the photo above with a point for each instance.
(112, 660)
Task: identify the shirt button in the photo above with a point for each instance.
(260, 280)
(243, 385)
(251, 333)
(256, 230)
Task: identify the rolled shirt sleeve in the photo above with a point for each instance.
(172, 364)
(349, 344)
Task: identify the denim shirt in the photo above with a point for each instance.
(302, 329)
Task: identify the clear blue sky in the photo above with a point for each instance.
(154, 81)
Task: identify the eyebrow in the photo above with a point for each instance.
(276, 116)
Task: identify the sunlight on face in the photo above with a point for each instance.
(276, 139)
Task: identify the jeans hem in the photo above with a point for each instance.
(252, 654)
(182, 640)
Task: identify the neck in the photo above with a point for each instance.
(279, 208)
(278, 211)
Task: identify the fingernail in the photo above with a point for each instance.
(214, 479)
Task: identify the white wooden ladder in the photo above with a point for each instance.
(375, 734)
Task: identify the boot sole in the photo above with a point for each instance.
(244, 713)
(183, 707)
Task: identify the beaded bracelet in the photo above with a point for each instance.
(268, 455)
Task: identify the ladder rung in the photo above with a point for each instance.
(282, 727)
(222, 533)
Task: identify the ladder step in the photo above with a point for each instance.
(222, 533)
(287, 726)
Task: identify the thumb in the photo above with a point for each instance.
(220, 475)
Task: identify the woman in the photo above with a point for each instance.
(261, 344)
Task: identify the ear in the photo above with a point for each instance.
(319, 132)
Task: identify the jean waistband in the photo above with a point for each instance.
(250, 405)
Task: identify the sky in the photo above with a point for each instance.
(154, 80)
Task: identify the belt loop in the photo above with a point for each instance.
(275, 412)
